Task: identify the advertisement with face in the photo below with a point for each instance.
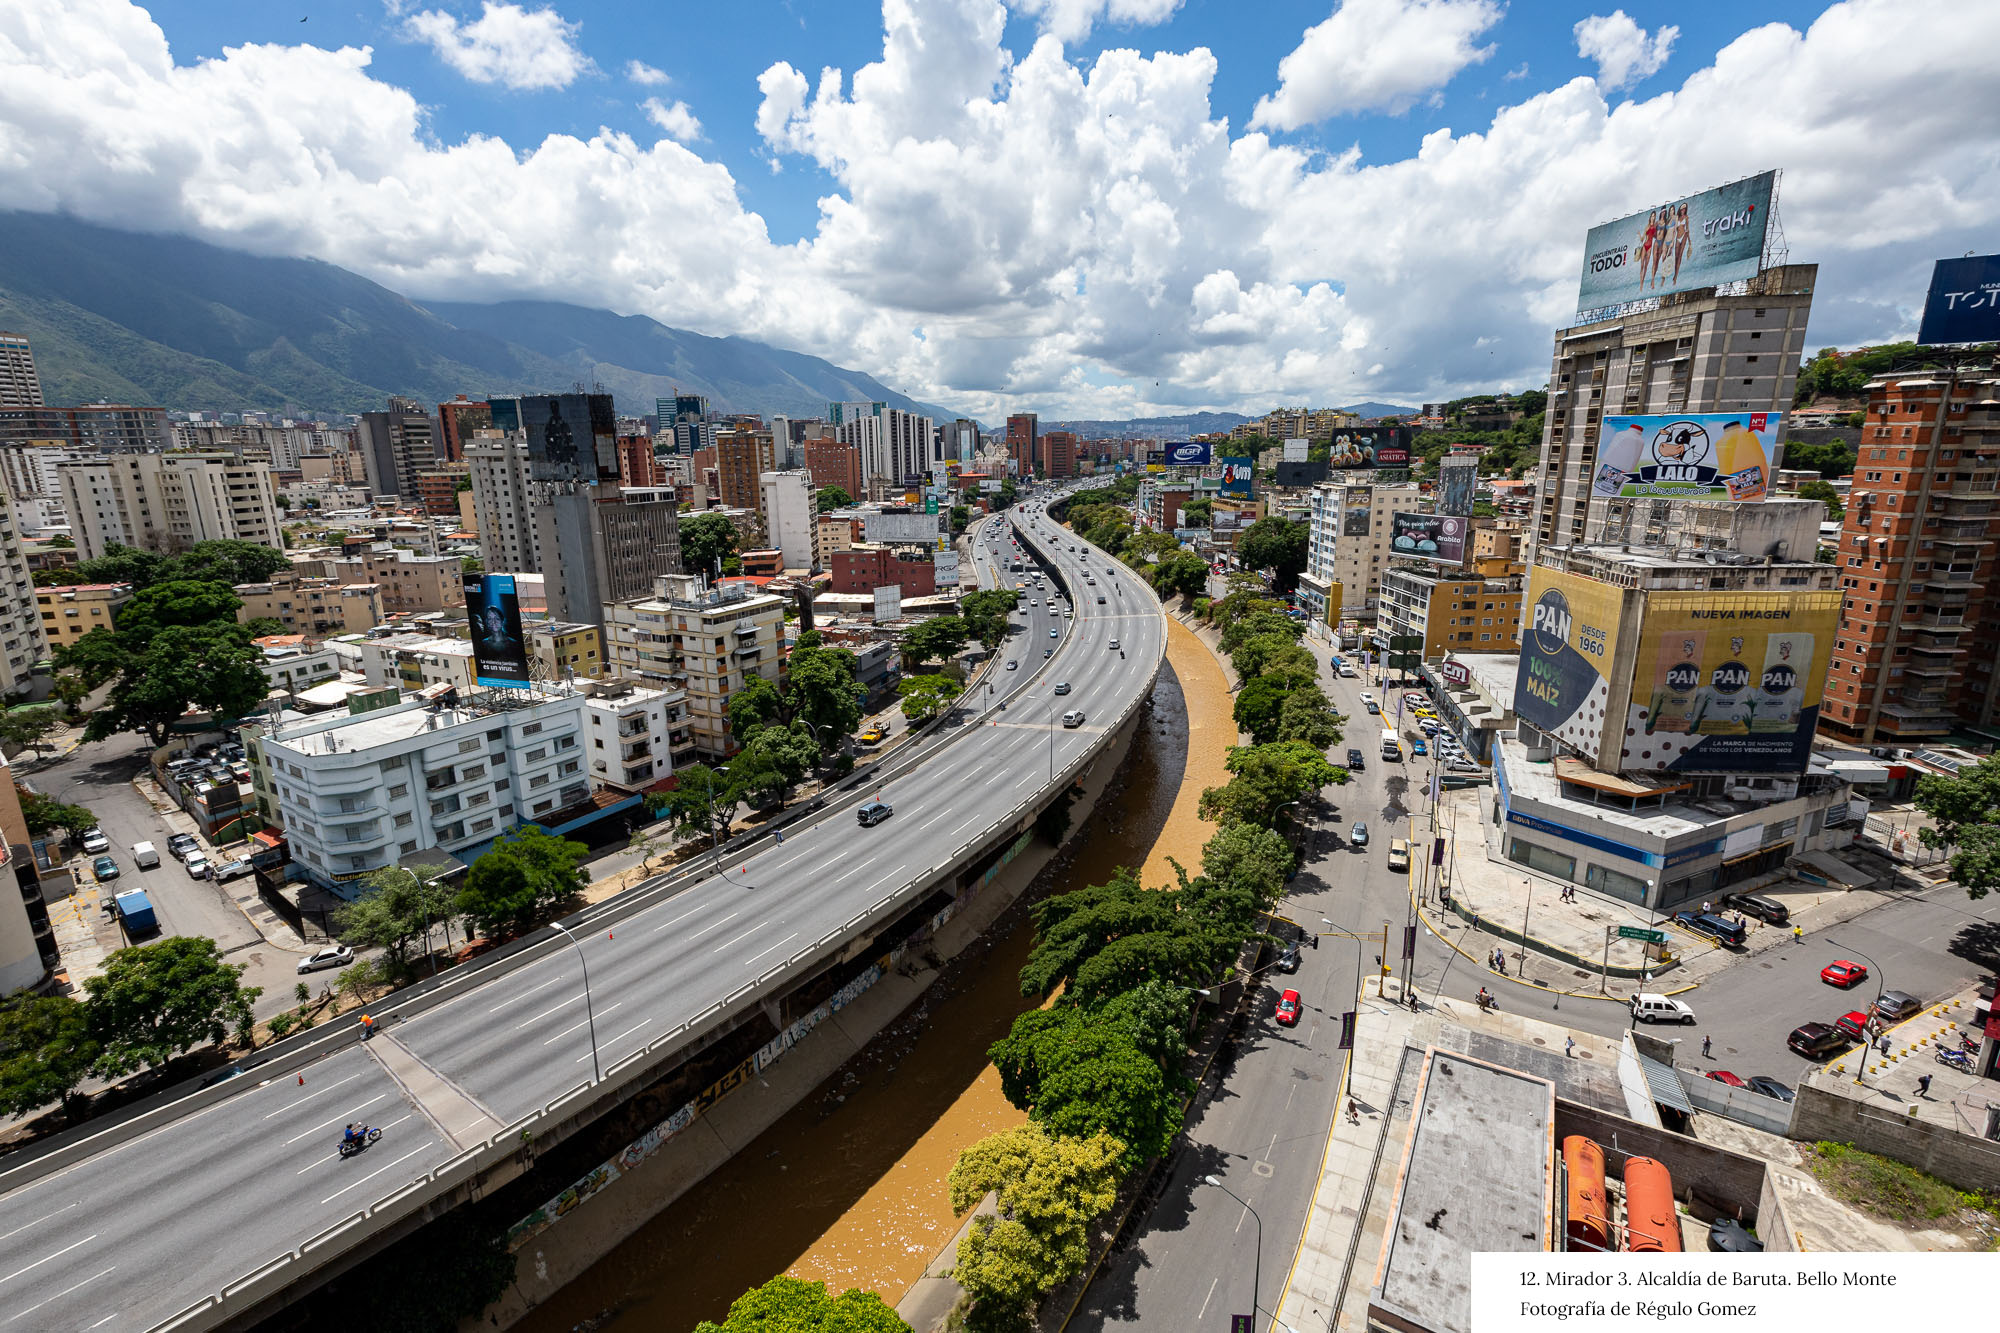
(1729, 681)
(1704, 456)
(1704, 240)
(1439, 537)
(1238, 476)
(1563, 684)
(499, 649)
(571, 436)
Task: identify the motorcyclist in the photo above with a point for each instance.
(1485, 998)
(350, 1138)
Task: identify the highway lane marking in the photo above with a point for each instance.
(45, 1258)
(336, 1152)
(296, 1104)
(780, 944)
(524, 994)
(546, 1012)
(372, 1174)
(738, 940)
(1206, 1299)
(574, 1026)
(644, 1022)
(59, 1295)
(38, 1221)
(352, 1110)
(713, 926)
(677, 920)
(107, 1319)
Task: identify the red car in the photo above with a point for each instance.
(1853, 1024)
(1288, 1009)
(1843, 974)
(1724, 1076)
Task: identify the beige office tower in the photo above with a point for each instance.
(1698, 351)
(19, 385)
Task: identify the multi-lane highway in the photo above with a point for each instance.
(132, 1234)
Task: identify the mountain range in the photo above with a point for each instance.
(164, 321)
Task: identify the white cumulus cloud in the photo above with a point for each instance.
(526, 49)
(1072, 20)
(1624, 53)
(639, 72)
(1375, 55)
(675, 118)
(1075, 238)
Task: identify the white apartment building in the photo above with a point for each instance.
(861, 425)
(704, 641)
(633, 732)
(418, 661)
(295, 665)
(167, 502)
(909, 447)
(22, 643)
(1347, 547)
(790, 515)
(358, 793)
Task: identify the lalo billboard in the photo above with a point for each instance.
(1703, 240)
(1703, 456)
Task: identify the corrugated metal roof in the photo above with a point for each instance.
(1666, 1086)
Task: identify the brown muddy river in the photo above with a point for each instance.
(850, 1185)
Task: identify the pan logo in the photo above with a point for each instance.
(1729, 678)
(1550, 623)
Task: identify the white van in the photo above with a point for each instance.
(1660, 1009)
(145, 855)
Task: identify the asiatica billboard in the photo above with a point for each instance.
(1703, 240)
(1372, 446)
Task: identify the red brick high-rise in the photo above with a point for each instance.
(834, 462)
(457, 421)
(636, 464)
(1023, 428)
(743, 453)
(1919, 636)
(1058, 453)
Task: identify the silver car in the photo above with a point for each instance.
(334, 955)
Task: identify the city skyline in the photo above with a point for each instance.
(1455, 155)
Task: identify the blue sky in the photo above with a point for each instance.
(1194, 204)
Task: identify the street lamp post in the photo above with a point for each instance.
(1256, 1307)
(1867, 1042)
(589, 1012)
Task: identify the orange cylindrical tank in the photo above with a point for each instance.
(1651, 1226)
(1589, 1205)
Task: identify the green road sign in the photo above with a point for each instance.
(1641, 933)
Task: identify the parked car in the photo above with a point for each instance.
(1288, 1009)
(1759, 906)
(1648, 1008)
(1844, 974)
(1357, 762)
(1371, 706)
(1853, 1023)
(1816, 1041)
(333, 955)
(235, 869)
(94, 841)
(1724, 1076)
(1770, 1087)
(1358, 835)
(180, 844)
(105, 867)
(197, 865)
(1896, 1005)
(1417, 745)
(1718, 928)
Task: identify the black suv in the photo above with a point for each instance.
(1356, 761)
(1757, 905)
(1816, 1041)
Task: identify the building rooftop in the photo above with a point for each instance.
(1541, 780)
(425, 643)
(392, 726)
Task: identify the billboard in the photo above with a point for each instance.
(1354, 519)
(947, 569)
(571, 436)
(1238, 476)
(1374, 446)
(499, 648)
(1458, 479)
(894, 527)
(1186, 453)
(1301, 474)
(1729, 681)
(1704, 456)
(1297, 450)
(1964, 302)
(1704, 240)
(1563, 685)
(1439, 537)
(888, 603)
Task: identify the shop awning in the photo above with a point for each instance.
(1751, 856)
(1665, 1085)
(1570, 769)
(1837, 870)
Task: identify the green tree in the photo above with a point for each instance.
(703, 801)
(1308, 717)
(62, 543)
(123, 564)
(707, 540)
(27, 728)
(933, 640)
(755, 705)
(823, 689)
(775, 760)
(523, 876)
(72, 689)
(1048, 1190)
(95, 658)
(986, 615)
(1196, 513)
(1826, 495)
(1273, 655)
(397, 905)
(46, 1049)
(1258, 707)
(227, 563)
(45, 813)
(1253, 620)
(157, 1001)
(961, 518)
(175, 602)
(1247, 858)
(1267, 777)
(214, 668)
(1276, 544)
(1184, 572)
(923, 696)
(830, 498)
(793, 1305)
(264, 626)
(1077, 1076)
(1965, 820)
(1834, 458)
(470, 565)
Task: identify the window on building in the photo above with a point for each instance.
(403, 820)
(1617, 883)
(1544, 859)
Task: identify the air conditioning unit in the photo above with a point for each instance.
(1741, 793)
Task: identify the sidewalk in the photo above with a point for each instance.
(1957, 1100)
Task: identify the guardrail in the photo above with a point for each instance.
(272, 1276)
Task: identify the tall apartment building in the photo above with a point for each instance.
(357, 793)
(1698, 352)
(408, 582)
(637, 465)
(742, 454)
(911, 445)
(458, 422)
(1919, 636)
(167, 502)
(500, 501)
(707, 642)
(22, 644)
(834, 462)
(786, 499)
(1023, 447)
(685, 422)
(1451, 612)
(634, 733)
(106, 428)
(29, 470)
(1347, 546)
(635, 537)
(1058, 453)
(961, 441)
(860, 425)
(437, 490)
(395, 446)
(280, 446)
(20, 386)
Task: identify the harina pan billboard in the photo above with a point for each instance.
(1729, 681)
(1563, 684)
(1703, 456)
(1704, 240)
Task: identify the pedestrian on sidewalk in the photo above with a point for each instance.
(1924, 1087)
(1353, 1112)
(367, 1027)
(1707, 1045)
(1798, 936)
(1569, 1047)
